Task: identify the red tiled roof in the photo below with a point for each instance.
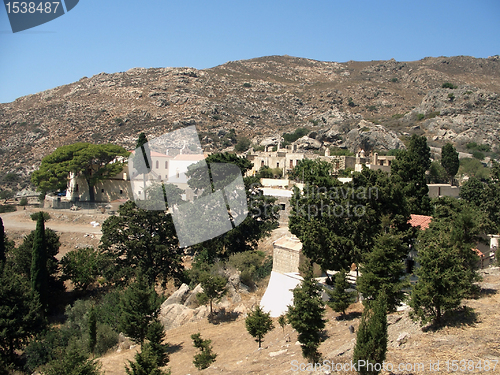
(479, 253)
(420, 220)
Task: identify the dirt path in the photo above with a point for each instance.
(14, 221)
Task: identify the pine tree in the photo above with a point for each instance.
(371, 341)
(156, 335)
(206, 357)
(139, 306)
(258, 323)
(39, 274)
(340, 298)
(73, 363)
(443, 281)
(214, 288)
(383, 270)
(145, 364)
(306, 315)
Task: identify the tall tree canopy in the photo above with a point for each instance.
(449, 160)
(138, 238)
(339, 223)
(93, 162)
(410, 167)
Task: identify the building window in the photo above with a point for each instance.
(291, 163)
(283, 207)
(157, 164)
(102, 190)
(166, 164)
(178, 174)
(159, 177)
(262, 163)
(121, 191)
(277, 164)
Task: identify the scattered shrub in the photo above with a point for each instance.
(7, 208)
(448, 85)
(247, 84)
(23, 201)
(420, 116)
(394, 80)
(242, 145)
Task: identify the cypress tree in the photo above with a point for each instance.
(39, 274)
(306, 315)
(449, 160)
(371, 341)
(2, 243)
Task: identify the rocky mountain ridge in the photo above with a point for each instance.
(354, 104)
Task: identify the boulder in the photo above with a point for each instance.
(307, 143)
(192, 300)
(368, 136)
(179, 296)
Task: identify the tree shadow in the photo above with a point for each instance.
(173, 348)
(351, 315)
(223, 316)
(460, 317)
(486, 292)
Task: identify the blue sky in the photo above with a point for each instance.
(117, 35)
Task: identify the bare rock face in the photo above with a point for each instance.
(192, 300)
(306, 143)
(368, 136)
(175, 315)
(179, 296)
(260, 99)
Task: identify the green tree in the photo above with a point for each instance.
(338, 224)
(20, 313)
(409, 168)
(437, 173)
(155, 337)
(491, 197)
(81, 266)
(442, 280)
(282, 321)
(473, 167)
(472, 191)
(73, 362)
(314, 172)
(139, 306)
(242, 145)
(145, 364)
(258, 323)
(449, 160)
(3, 249)
(138, 238)
(339, 298)
(214, 288)
(306, 315)
(39, 274)
(22, 257)
(206, 357)
(382, 271)
(371, 340)
(93, 162)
